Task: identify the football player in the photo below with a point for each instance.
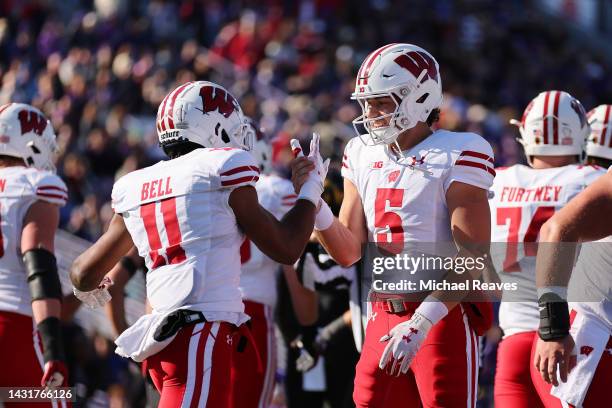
(31, 345)
(405, 183)
(553, 132)
(258, 287)
(185, 215)
(578, 337)
(599, 143)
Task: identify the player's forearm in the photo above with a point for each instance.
(115, 311)
(86, 274)
(44, 308)
(340, 243)
(304, 301)
(292, 233)
(556, 254)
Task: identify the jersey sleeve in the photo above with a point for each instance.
(348, 161)
(117, 197)
(49, 187)
(473, 165)
(238, 169)
(286, 198)
(592, 173)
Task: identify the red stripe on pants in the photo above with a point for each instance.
(252, 387)
(169, 369)
(438, 375)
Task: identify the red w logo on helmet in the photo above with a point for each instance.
(416, 62)
(221, 101)
(32, 121)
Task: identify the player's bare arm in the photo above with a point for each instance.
(578, 221)
(37, 244)
(284, 240)
(345, 236)
(469, 212)
(120, 275)
(470, 219)
(89, 268)
(304, 300)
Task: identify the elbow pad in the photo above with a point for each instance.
(43, 279)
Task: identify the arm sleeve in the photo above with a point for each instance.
(50, 188)
(473, 165)
(238, 170)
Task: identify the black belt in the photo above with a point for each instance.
(176, 321)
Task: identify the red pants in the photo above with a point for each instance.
(444, 372)
(598, 394)
(194, 369)
(21, 357)
(514, 387)
(253, 384)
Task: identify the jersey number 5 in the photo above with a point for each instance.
(174, 252)
(389, 219)
(514, 215)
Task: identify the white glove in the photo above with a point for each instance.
(312, 189)
(97, 297)
(405, 339)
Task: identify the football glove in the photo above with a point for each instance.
(404, 340)
(312, 189)
(97, 297)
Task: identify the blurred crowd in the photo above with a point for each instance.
(100, 68)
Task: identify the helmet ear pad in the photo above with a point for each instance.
(413, 109)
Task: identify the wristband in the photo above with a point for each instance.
(311, 190)
(51, 335)
(432, 309)
(554, 317)
(560, 291)
(324, 218)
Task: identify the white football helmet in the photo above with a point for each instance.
(599, 142)
(410, 76)
(205, 113)
(26, 133)
(262, 149)
(553, 124)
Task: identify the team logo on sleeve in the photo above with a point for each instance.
(586, 350)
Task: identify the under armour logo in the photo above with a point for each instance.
(373, 317)
(416, 161)
(229, 339)
(406, 339)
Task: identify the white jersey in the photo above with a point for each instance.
(406, 205)
(258, 278)
(521, 200)
(178, 215)
(20, 187)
